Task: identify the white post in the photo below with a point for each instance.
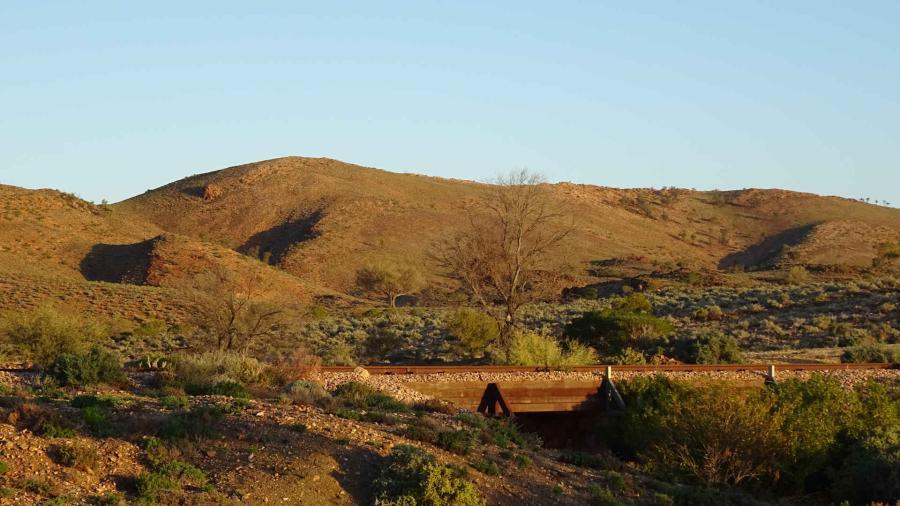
(609, 372)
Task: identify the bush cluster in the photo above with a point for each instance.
(611, 331)
(797, 437)
(411, 476)
(532, 348)
(86, 368)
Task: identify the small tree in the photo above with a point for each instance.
(389, 281)
(501, 256)
(231, 309)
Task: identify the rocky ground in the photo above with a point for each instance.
(263, 452)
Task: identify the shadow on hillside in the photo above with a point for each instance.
(272, 245)
(118, 263)
(767, 250)
(193, 191)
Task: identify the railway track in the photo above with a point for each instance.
(451, 369)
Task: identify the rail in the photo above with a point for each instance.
(601, 368)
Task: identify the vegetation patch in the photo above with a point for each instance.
(412, 476)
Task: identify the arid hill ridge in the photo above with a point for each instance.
(315, 221)
(320, 219)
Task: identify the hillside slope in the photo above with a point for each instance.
(61, 250)
(320, 219)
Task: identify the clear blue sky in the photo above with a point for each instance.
(108, 99)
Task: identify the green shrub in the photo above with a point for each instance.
(109, 499)
(382, 343)
(4, 468)
(719, 439)
(201, 422)
(97, 420)
(871, 353)
(532, 348)
(522, 461)
(412, 476)
(581, 459)
(45, 334)
(648, 398)
(79, 456)
(708, 313)
(150, 486)
(359, 395)
(88, 368)
(486, 466)
(424, 429)
(175, 402)
(150, 328)
(716, 349)
(612, 330)
(207, 369)
(474, 330)
(602, 496)
(55, 430)
(230, 389)
(456, 441)
(632, 303)
(305, 392)
(628, 356)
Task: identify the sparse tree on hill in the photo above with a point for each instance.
(501, 257)
(389, 280)
(231, 310)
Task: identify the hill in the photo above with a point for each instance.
(321, 219)
(58, 249)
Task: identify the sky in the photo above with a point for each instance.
(109, 99)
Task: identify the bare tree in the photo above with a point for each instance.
(389, 280)
(501, 257)
(230, 308)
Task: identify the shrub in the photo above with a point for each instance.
(97, 419)
(871, 352)
(45, 334)
(708, 313)
(201, 422)
(796, 275)
(230, 389)
(359, 395)
(150, 328)
(424, 429)
(382, 343)
(602, 496)
(109, 499)
(522, 461)
(175, 402)
(89, 368)
(79, 456)
(633, 303)
(412, 476)
(474, 330)
(629, 356)
(648, 400)
(300, 365)
(718, 438)
(486, 466)
(150, 486)
(456, 441)
(207, 369)
(306, 392)
(612, 330)
(716, 349)
(532, 348)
